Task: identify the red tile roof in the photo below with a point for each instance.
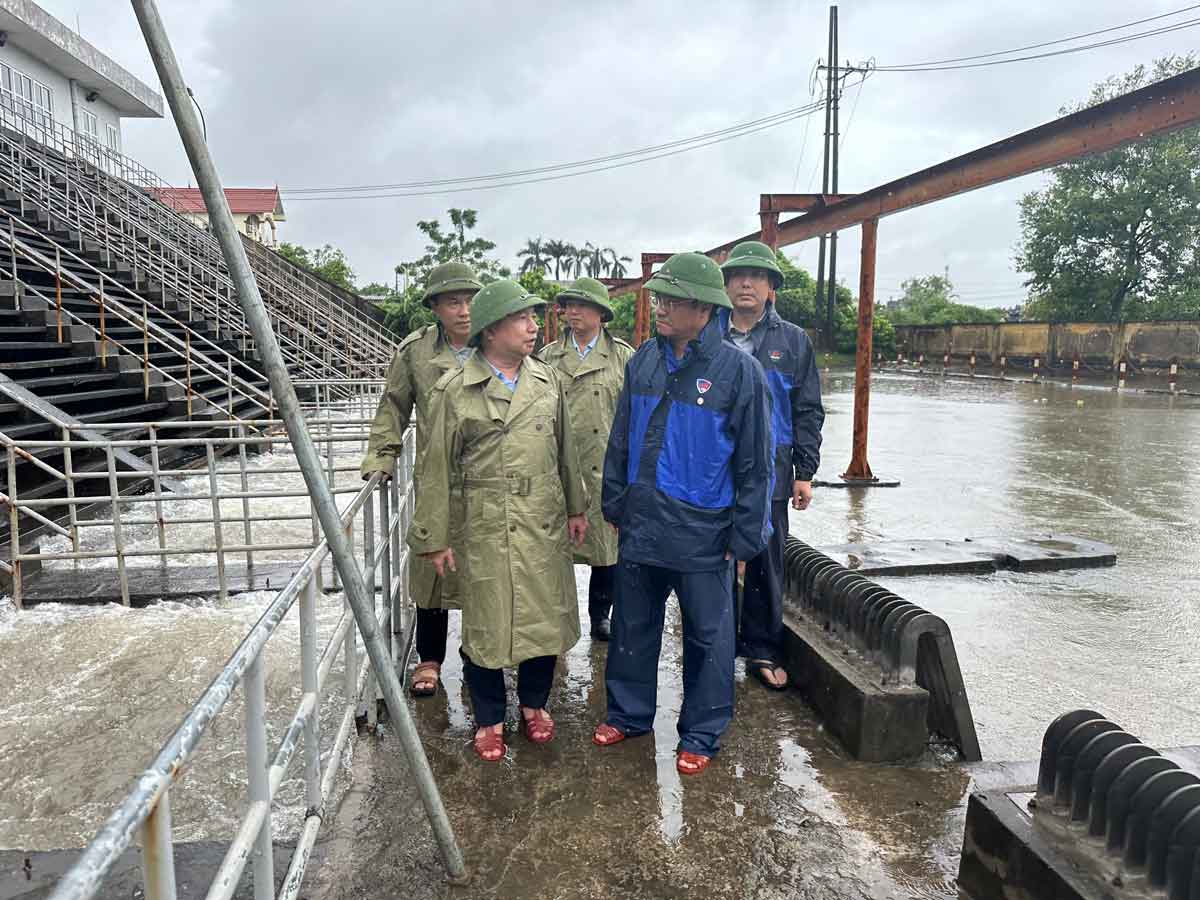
(242, 201)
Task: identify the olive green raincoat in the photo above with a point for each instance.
(514, 455)
(592, 386)
(421, 360)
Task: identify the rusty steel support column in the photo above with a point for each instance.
(860, 469)
(770, 229)
(551, 333)
(641, 316)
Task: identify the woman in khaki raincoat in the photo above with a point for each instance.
(420, 361)
(592, 363)
(500, 428)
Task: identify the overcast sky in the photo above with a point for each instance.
(305, 94)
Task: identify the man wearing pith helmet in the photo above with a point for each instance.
(500, 433)
(687, 477)
(753, 325)
(591, 362)
(422, 358)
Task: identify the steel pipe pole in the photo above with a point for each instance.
(203, 167)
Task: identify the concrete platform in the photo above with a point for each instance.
(973, 556)
(876, 722)
(149, 584)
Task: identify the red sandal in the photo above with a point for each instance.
(490, 745)
(606, 735)
(689, 763)
(539, 729)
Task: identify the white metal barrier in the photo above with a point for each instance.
(384, 509)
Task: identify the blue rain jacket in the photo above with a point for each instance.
(786, 355)
(688, 472)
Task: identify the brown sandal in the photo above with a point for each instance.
(606, 735)
(424, 681)
(689, 763)
(539, 729)
(490, 745)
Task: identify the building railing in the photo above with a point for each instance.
(118, 213)
(383, 510)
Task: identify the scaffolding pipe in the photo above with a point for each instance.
(255, 313)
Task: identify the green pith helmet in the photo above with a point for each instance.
(691, 276)
(754, 255)
(451, 276)
(588, 290)
(497, 300)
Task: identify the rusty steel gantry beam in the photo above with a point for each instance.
(1159, 108)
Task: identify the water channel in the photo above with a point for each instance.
(88, 694)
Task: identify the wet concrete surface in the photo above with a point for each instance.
(781, 812)
(972, 556)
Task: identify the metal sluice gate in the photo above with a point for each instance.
(908, 644)
(1134, 808)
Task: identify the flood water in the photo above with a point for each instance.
(88, 695)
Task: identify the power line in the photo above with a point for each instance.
(957, 59)
(793, 115)
(929, 67)
(743, 127)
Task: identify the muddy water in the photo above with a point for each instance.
(987, 458)
(86, 696)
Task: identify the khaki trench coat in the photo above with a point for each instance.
(592, 385)
(421, 360)
(514, 455)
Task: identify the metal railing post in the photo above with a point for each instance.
(118, 533)
(218, 538)
(258, 780)
(175, 91)
(247, 530)
(308, 678)
(72, 514)
(158, 853)
(155, 467)
(14, 526)
(368, 532)
(58, 291)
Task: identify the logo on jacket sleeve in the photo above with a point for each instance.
(702, 385)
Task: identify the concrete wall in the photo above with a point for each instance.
(60, 85)
(1095, 343)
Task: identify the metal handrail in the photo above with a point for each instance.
(133, 236)
(145, 811)
(110, 304)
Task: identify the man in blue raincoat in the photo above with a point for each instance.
(687, 482)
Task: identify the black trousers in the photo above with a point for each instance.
(488, 697)
(432, 627)
(761, 624)
(600, 591)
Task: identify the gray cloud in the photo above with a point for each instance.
(303, 94)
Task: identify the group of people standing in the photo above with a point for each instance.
(664, 469)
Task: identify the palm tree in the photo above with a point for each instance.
(536, 258)
(592, 258)
(559, 251)
(575, 258)
(615, 267)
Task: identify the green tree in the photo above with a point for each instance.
(931, 301)
(535, 282)
(624, 310)
(535, 257)
(559, 252)
(616, 264)
(454, 244)
(329, 262)
(1114, 236)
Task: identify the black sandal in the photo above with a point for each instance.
(757, 667)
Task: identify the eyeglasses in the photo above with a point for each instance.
(670, 304)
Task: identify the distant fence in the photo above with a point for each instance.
(1153, 344)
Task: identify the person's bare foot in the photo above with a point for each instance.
(769, 673)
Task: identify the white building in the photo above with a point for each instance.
(62, 90)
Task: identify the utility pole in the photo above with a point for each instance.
(827, 326)
(835, 83)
